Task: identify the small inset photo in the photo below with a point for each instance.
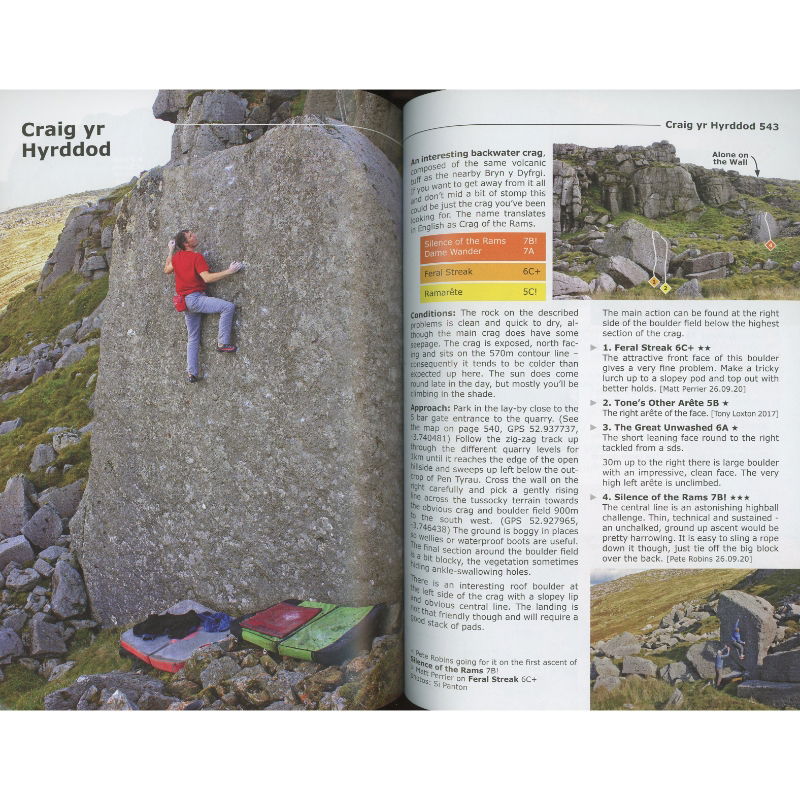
(695, 639)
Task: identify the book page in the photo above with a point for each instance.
(601, 371)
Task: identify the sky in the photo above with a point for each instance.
(138, 140)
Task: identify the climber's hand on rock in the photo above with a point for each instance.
(171, 245)
(234, 267)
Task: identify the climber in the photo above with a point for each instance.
(738, 642)
(192, 276)
(719, 663)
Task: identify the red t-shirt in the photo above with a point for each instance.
(188, 266)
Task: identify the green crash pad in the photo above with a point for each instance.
(332, 636)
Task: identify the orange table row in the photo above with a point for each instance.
(446, 248)
(448, 273)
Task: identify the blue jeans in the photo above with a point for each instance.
(197, 304)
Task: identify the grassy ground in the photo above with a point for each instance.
(25, 690)
(780, 283)
(651, 694)
(57, 399)
(28, 236)
(646, 596)
(29, 319)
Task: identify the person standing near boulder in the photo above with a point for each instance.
(192, 276)
(719, 663)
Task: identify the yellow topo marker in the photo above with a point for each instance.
(654, 282)
(666, 288)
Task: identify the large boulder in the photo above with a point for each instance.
(710, 265)
(756, 624)
(702, 656)
(16, 548)
(564, 284)
(640, 244)
(778, 695)
(10, 645)
(70, 243)
(63, 499)
(69, 593)
(623, 271)
(132, 684)
(625, 644)
(634, 665)
(16, 505)
(782, 666)
(662, 190)
(280, 474)
(763, 227)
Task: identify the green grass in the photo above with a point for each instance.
(25, 690)
(652, 694)
(299, 104)
(29, 320)
(56, 399)
(645, 600)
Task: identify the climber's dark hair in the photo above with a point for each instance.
(180, 238)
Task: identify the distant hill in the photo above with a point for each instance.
(28, 235)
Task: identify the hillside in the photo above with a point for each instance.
(28, 235)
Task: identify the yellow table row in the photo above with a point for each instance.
(498, 292)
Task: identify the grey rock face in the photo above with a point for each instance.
(642, 245)
(676, 700)
(10, 425)
(690, 290)
(567, 198)
(763, 227)
(676, 671)
(778, 695)
(10, 644)
(702, 656)
(64, 499)
(625, 644)
(609, 682)
(43, 454)
(713, 186)
(623, 271)
(169, 102)
(16, 505)
(287, 471)
(132, 684)
(711, 265)
(43, 528)
(20, 580)
(603, 667)
(782, 667)
(61, 441)
(378, 119)
(633, 665)
(62, 259)
(568, 284)
(69, 593)
(603, 283)
(73, 354)
(18, 549)
(756, 623)
(46, 638)
(218, 670)
(662, 190)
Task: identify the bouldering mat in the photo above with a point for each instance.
(169, 654)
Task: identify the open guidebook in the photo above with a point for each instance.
(318, 399)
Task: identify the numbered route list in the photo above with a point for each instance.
(482, 266)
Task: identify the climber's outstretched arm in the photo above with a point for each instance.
(168, 268)
(213, 277)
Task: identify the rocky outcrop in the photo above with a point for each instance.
(642, 245)
(777, 695)
(623, 271)
(710, 265)
(85, 243)
(756, 624)
(285, 472)
(763, 227)
(226, 675)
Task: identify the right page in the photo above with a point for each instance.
(601, 378)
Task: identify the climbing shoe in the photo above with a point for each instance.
(226, 348)
(192, 378)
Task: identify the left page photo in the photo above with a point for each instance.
(200, 400)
